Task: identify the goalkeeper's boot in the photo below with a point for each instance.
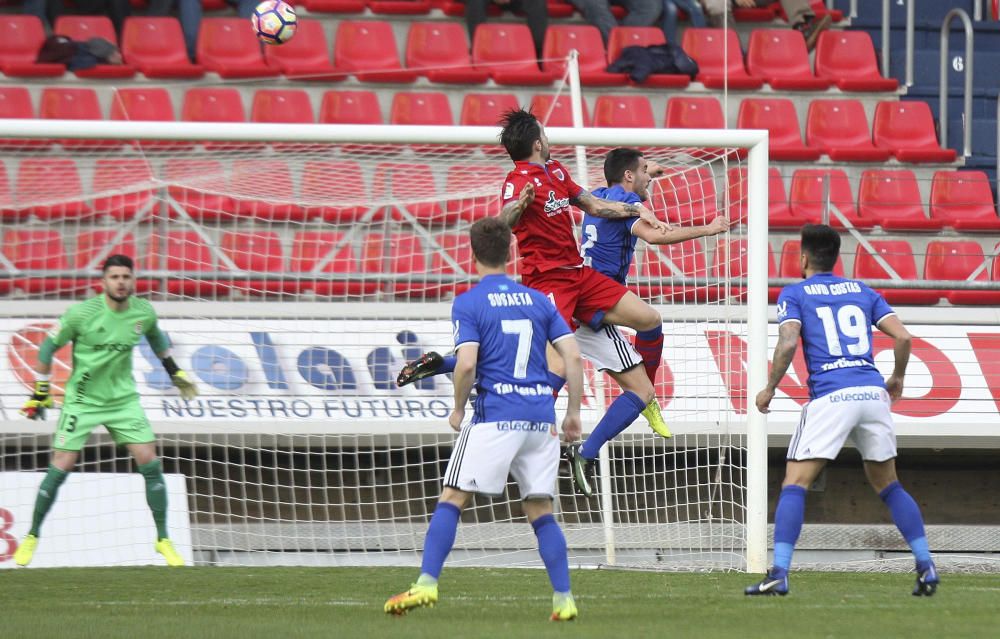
(582, 469)
(655, 419)
(927, 582)
(563, 607)
(166, 548)
(424, 366)
(775, 583)
(26, 550)
(415, 597)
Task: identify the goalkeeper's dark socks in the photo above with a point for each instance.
(622, 412)
(156, 495)
(649, 345)
(788, 518)
(552, 548)
(909, 520)
(440, 538)
(447, 365)
(47, 492)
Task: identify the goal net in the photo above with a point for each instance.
(295, 269)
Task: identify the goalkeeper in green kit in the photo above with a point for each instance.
(101, 391)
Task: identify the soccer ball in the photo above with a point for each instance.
(274, 22)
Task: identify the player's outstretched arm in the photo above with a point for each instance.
(570, 353)
(40, 400)
(512, 211)
(598, 207)
(465, 376)
(676, 234)
(893, 327)
(784, 350)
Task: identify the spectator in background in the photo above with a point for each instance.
(49, 10)
(800, 15)
(536, 13)
(641, 13)
(45, 10)
(670, 9)
(189, 13)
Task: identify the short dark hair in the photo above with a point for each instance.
(118, 260)
(822, 244)
(490, 238)
(618, 161)
(520, 130)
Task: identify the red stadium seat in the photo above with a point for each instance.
(258, 252)
(465, 183)
(808, 202)
(264, 189)
(15, 102)
(957, 261)
(343, 200)
(21, 37)
(892, 200)
(486, 109)
(586, 39)
(350, 107)
(790, 265)
(694, 113)
(64, 103)
(367, 50)
(400, 7)
(780, 57)
(440, 52)
(142, 104)
(963, 200)
(899, 255)
(206, 104)
(421, 108)
(755, 14)
(186, 256)
(839, 128)
(39, 250)
(227, 47)
(778, 117)
(156, 47)
(632, 111)
(559, 114)
(455, 246)
(122, 187)
(779, 215)
(819, 8)
(8, 209)
(907, 130)
(335, 6)
(83, 28)
(685, 196)
(409, 190)
(306, 56)
(93, 247)
(199, 187)
(507, 52)
(50, 189)
(290, 106)
(402, 254)
(309, 264)
(622, 37)
(707, 47)
(663, 263)
(730, 261)
(847, 59)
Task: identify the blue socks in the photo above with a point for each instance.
(622, 412)
(447, 365)
(440, 538)
(552, 548)
(788, 518)
(906, 514)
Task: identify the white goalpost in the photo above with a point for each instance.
(295, 268)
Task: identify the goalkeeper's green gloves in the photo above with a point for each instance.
(185, 386)
(40, 399)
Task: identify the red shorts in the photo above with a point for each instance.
(582, 293)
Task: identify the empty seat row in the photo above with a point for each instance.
(439, 51)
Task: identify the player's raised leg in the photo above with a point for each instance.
(635, 313)
(788, 517)
(908, 519)
(60, 466)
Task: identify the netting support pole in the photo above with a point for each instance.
(756, 463)
(576, 107)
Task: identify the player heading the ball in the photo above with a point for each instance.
(102, 391)
(847, 399)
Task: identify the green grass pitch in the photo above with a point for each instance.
(277, 603)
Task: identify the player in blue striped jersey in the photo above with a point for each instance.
(502, 330)
(848, 399)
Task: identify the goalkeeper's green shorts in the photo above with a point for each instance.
(126, 422)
